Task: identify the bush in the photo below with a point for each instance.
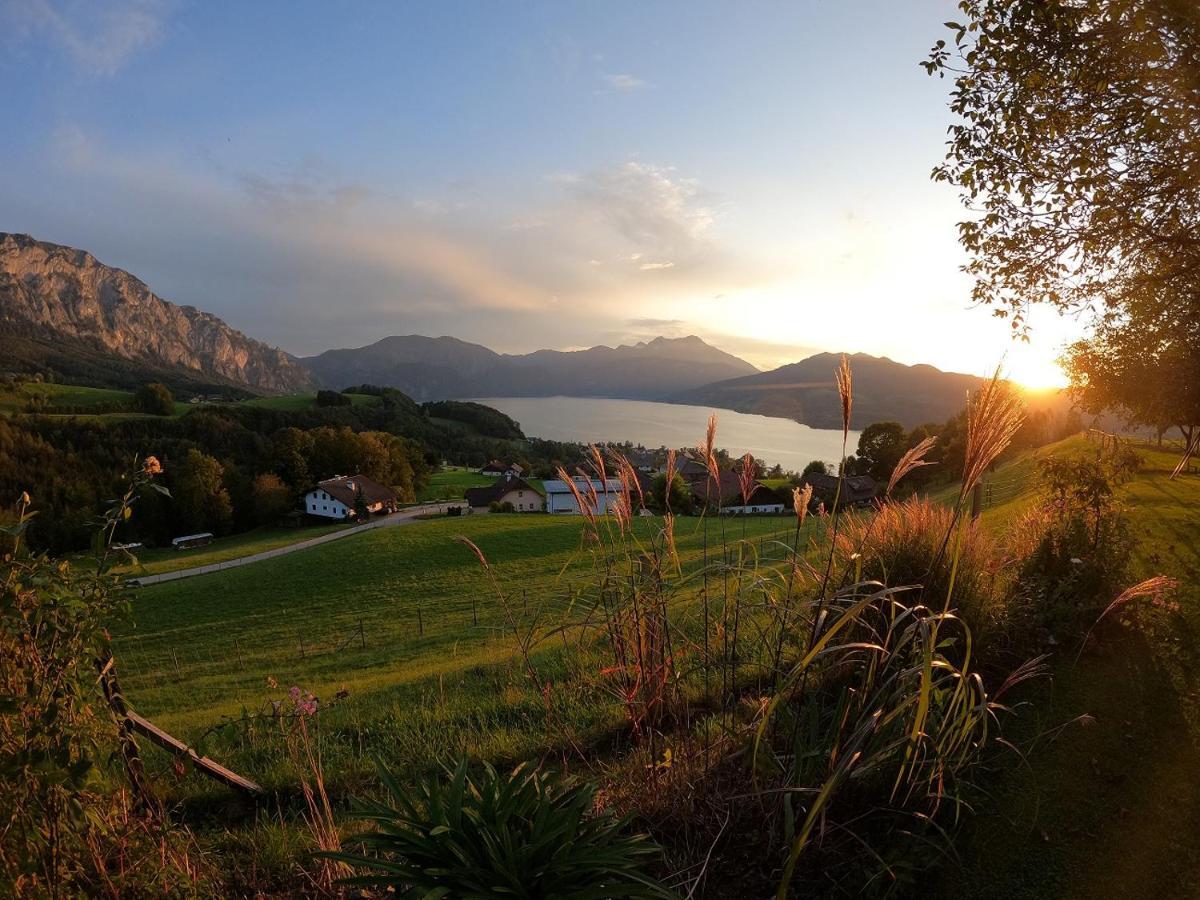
(154, 399)
(332, 398)
(1078, 547)
(901, 545)
(526, 834)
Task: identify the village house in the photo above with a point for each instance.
(857, 490)
(336, 498)
(688, 468)
(561, 499)
(762, 500)
(496, 468)
(507, 489)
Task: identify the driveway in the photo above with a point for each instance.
(405, 516)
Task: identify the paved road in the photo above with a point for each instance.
(404, 517)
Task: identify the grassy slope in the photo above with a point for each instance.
(305, 401)
(166, 559)
(1111, 810)
(204, 648)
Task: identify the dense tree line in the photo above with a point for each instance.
(232, 467)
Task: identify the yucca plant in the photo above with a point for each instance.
(526, 834)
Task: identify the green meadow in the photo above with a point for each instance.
(407, 623)
(404, 619)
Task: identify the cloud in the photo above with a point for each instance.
(302, 257)
(100, 37)
(624, 82)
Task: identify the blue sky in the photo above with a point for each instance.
(518, 174)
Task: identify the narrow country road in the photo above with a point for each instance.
(404, 517)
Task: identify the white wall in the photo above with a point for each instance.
(319, 503)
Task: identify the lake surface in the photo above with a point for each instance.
(770, 439)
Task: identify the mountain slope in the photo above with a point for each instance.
(806, 391)
(54, 294)
(442, 368)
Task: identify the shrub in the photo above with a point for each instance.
(903, 544)
(526, 834)
(1078, 547)
(66, 831)
(332, 398)
(154, 399)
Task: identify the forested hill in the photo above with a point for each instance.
(233, 466)
(806, 391)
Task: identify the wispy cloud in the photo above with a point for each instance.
(100, 37)
(655, 266)
(624, 82)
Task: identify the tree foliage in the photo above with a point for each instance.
(154, 399)
(1076, 150)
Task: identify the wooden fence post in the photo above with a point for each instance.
(977, 501)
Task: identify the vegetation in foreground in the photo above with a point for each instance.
(685, 672)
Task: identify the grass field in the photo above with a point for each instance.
(166, 559)
(1111, 810)
(307, 401)
(422, 677)
(18, 397)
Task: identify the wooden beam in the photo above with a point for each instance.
(209, 767)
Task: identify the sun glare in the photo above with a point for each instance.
(1034, 368)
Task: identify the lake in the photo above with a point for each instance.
(590, 419)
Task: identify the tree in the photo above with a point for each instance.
(201, 500)
(680, 495)
(880, 446)
(154, 399)
(1144, 364)
(272, 498)
(1076, 151)
(817, 467)
(332, 398)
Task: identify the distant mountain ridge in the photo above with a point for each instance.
(53, 295)
(446, 368)
(806, 391)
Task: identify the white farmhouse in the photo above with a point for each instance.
(561, 499)
(335, 498)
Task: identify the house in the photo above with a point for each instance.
(728, 491)
(857, 490)
(496, 468)
(561, 499)
(509, 488)
(335, 498)
(642, 460)
(687, 467)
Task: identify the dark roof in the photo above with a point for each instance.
(731, 491)
(497, 466)
(856, 488)
(483, 496)
(348, 487)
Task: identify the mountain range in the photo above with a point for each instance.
(438, 368)
(64, 311)
(62, 307)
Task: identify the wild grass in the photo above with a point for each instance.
(818, 676)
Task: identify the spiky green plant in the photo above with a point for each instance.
(526, 834)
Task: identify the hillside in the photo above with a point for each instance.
(805, 391)
(440, 368)
(63, 309)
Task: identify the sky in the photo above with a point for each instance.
(518, 174)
